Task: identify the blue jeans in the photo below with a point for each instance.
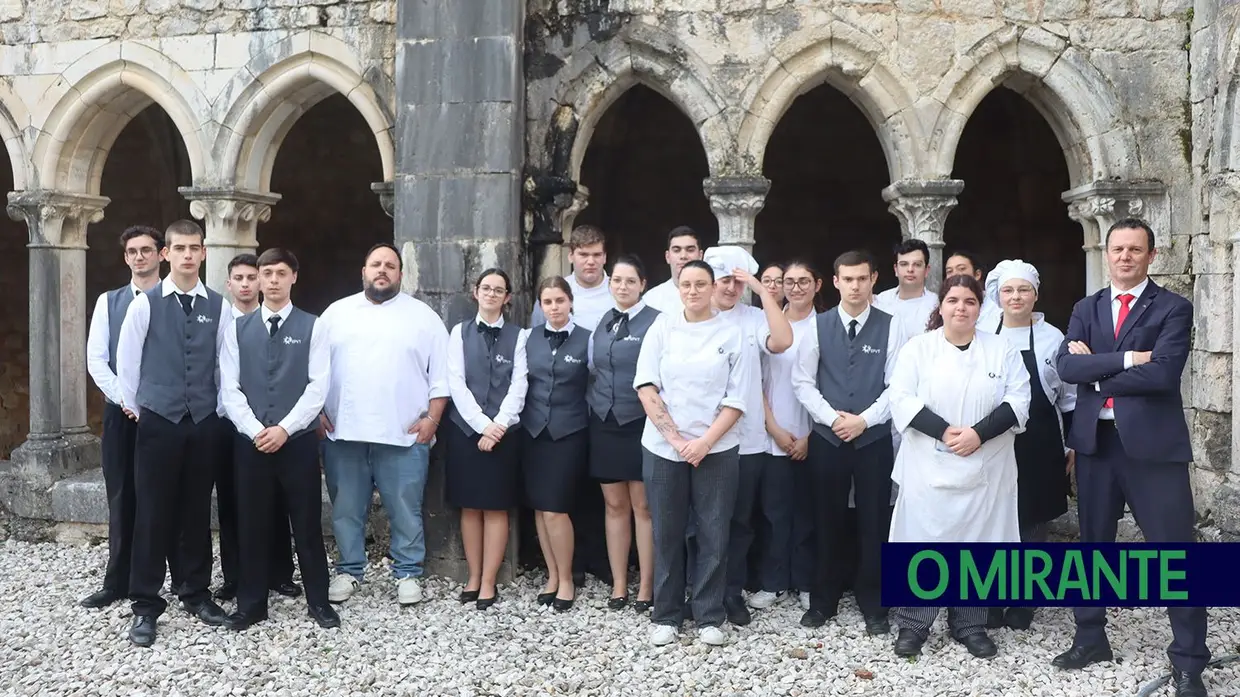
(354, 470)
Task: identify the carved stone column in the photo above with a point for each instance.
(386, 191)
(922, 205)
(231, 218)
(736, 202)
(1096, 207)
(59, 443)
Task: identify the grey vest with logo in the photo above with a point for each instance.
(179, 357)
(118, 304)
(275, 369)
(851, 373)
(556, 398)
(488, 371)
(615, 367)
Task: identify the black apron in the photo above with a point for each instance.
(1042, 483)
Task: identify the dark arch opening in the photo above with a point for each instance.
(827, 172)
(328, 216)
(14, 326)
(644, 168)
(1014, 172)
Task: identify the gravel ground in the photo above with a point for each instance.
(53, 647)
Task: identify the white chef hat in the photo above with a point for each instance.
(724, 259)
(1007, 270)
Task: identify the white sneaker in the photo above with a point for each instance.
(712, 636)
(662, 634)
(803, 598)
(765, 599)
(342, 588)
(408, 591)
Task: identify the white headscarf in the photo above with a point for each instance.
(1007, 270)
(723, 260)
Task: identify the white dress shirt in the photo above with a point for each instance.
(388, 361)
(699, 368)
(589, 304)
(1136, 292)
(237, 313)
(98, 349)
(568, 328)
(787, 410)
(665, 298)
(305, 410)
(513, 402)
(805, 373)
(133, 339)
(913, 313)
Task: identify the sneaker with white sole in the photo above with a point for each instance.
(765, 599)
(408, 591)
(342, 588)
(663, 634)
(712, 636)
(803, 598)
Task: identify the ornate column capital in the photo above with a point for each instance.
(386, 191)
(1106, 201)
(736, 202)
(922, 205)
(56, 219)
(231, 215)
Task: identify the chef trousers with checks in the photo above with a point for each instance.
(962, 621)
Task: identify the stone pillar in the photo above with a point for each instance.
(922, 206)
(736, 202)
(458, 195)
(230, 219)
(59, 443)
(1097, 206)
(555, 260)
(386, 191)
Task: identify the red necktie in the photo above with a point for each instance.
(1124, 300)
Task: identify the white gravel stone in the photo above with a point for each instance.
(51, 646)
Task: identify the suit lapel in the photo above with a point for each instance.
(1134, 316)
(1103, 308)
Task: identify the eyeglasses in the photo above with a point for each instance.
(801, 283)
(140, 252)
(492, 290)
(772, 282)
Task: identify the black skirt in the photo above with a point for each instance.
(615, 450)
(553, 469)
(484, 481)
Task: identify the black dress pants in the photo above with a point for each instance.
(172, 488)
(292, 473)
(280, 564)
(834, 469)
(119, 433)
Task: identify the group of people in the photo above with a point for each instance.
(769, 446)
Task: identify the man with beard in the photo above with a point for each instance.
(385, 399)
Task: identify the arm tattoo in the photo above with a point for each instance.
(663, 420)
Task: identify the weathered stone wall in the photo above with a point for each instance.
(14, 329)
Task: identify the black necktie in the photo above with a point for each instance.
(187, 302)
(556, 338)
(274, 321)
(852, 330)
(489, 332)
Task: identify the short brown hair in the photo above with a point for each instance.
(586, 235)
(277, 255)
(556, 282)
(187, 228)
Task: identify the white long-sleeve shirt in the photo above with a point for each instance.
(99, 350)
(463, 400)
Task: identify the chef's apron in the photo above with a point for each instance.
(1042, 482)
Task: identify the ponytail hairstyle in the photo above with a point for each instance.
(819, 304)
(974, 285)
(556, 282)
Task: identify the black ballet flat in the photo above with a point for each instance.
(561, 605)
(546, 598)
(467, 597)
(618, 603)
(641, 607)
(485, 603)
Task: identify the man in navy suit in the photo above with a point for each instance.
(1125, 348)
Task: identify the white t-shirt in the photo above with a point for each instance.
(589, 304)
(788, 411)
(752, 425)
(699, 368)
(665, 298)
(912, 314)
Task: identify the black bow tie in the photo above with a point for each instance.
(616, 321)
(491, 333)
(557, 339)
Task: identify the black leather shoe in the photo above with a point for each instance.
(908, 643)
(544, 598)
(1078, 657)
(979, 644)
(325, 615)
(877, 625)
(228, 591)
(738, 614)
(994, 618)
(813, 619)
(467, 597)
(100, 599)
(142, 632)
(287, 589)
(1019, 618)
(562, 605)
(207, 612)
(641, 607)
(241, 621)
(485, 603)
(1187, 684)
(618, 603)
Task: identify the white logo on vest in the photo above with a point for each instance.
(870, 349)
(290, 340)
(570, 359)
(202, 319)
(501, 359)
(632, 338)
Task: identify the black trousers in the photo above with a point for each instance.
(1161, 500)
(172, 488)
(834, 470)
(590, 539)
(280, 564)
(119, 433)
(292, 475)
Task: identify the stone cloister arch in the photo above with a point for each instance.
(14, 283)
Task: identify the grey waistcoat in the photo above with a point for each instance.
(179, 357)
(275, 369)
(850, 373)
(556, 399)
(615, 367)
(488, 372)
(118, 305)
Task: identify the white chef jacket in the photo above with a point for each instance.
(665, 298)
(913, 314)
(1046, 342)
(787, 410)
(752, 425)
